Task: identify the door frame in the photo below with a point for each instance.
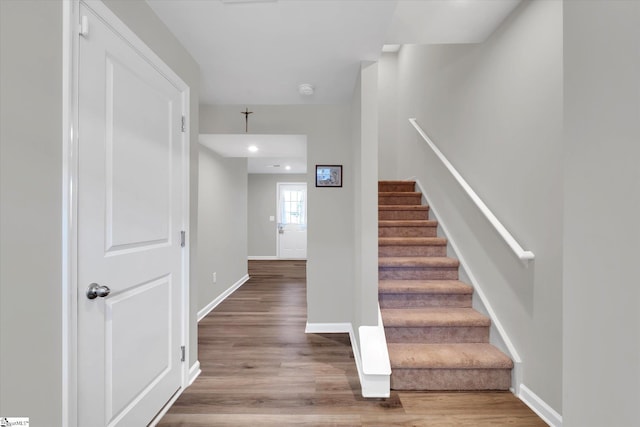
(69, 237)
(278, 184)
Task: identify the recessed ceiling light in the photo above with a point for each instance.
(252, 148)
(288, 167)
(306, 89)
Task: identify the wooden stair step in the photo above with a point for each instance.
(407, 228)
(408, 223)
(400, 212)
(412, 246)
(434, 316)
(447, 356)
(403, 207)
(385, 186)
(400, 198)
(412, 241)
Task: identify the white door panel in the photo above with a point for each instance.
(130, 214)
(292, 220)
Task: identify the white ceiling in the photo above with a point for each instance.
(275, 152)
(258, 53)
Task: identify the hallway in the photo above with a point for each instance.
(260, 368)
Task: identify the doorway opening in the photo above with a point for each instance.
(292, 220)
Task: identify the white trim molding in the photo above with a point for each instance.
(373, 373)
(540, 407)
(194, 372)
(262, 258)
(223, 296)
(328, 328)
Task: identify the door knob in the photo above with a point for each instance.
(96, 290)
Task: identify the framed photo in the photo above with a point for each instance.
(328, 175)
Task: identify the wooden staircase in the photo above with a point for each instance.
(436, 340)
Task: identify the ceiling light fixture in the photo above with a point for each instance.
(306, 89)
(288, 167)
(252, 148)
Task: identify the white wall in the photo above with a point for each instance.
(30, 211)
(262, 194)
(601, 351)
(330, 210)
(31, 196)
(495, 110)
(388, 116)
(365, 146)
(222, 224)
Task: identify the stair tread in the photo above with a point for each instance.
(399, 193)
(412, 241)
(433, 316)
(397, 181)
(407, 223)
(403, 207)
(447, 356)
(424, 287)
(399, 262)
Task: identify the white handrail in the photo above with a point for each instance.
(513, 244)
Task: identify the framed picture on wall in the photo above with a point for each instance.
(328, 175)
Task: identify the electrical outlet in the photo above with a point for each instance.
(215, 277)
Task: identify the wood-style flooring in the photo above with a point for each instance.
(259, 368)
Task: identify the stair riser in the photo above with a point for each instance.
(424, 300)
(396, 186)
(396, 251)
(403, 215)
(417, 273)
(438, 334)
(400, 200)
(450, 379)
(407, 231)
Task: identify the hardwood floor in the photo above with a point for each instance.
(260, 368)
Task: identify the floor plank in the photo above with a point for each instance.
(260, 368)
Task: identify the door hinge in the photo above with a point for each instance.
(184, 120)
(182, 349)
(183, 238)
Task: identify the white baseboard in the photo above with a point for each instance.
(540, 407)
(213, 304)
(194, 372)
(375, 384)
(328, 328)
(262, 258)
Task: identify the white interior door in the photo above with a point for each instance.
(292, 220)
(131, 177)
